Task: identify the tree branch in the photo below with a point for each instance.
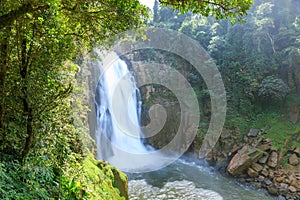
(7, 19)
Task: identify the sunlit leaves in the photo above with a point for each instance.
(218, 8)
(45, 38)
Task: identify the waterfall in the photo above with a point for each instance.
(118, 107)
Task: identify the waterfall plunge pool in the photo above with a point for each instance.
(187, 180)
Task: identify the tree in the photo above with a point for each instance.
(39, 41)
(217, 8)
(273, 89)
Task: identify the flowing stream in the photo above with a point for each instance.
(189, 180)
(119, 133)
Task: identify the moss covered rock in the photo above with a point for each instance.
(103, 181)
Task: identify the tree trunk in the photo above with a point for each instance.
(3, 69)
(27, 110)
(29, 130)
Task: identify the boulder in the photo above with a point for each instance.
(265, 172)
(283, 188)
(295, 183)
(235, 148)
(261, 178)
(253, 132)
(293, 160)
(257, 167)
(273, 159)
(271, 174)
(288, 167)
(292, 189)
(265, 147)
(264, 159)
(297, 151)
(272, 190)
(280, 179)
(252, 173)
(244, 158)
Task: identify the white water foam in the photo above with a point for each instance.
(183, 190)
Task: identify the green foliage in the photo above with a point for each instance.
(98, 178)
(38, 42)
(38, 179)
(278, 127)
(273, 89)
(258, 61)
(217, 8)
(43, 125)
(34, 180)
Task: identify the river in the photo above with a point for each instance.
(190, 180)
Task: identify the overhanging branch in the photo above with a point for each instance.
(7, 19)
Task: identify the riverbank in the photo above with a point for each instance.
(190, 179)
(258, 162)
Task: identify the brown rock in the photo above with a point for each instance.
(272, 190)
(293, 160)
(257, 167)
(288, 181)
(261, 178)
(283, 188)
(280, 179)
(252, 173)
(265, 172)
(235, 148)
(256, 141)
(244, 159)
(292, 189)
(271, 174)
(288, 167)
(297, 151)
(295, 183)
(284, 185)
(264, 147)
(273, 159)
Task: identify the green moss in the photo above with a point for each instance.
(279, 128)
(100, 180)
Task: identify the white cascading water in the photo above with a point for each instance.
(118, 134)
(118, 109)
